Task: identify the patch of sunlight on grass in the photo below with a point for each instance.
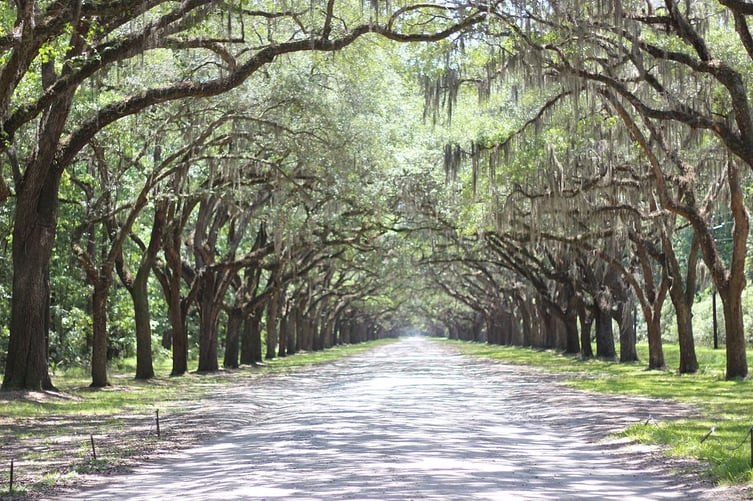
(724, 405)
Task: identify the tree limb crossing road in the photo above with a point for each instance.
(415, 420)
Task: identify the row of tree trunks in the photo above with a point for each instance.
(523, 322)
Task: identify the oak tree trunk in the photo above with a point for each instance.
(684, 318)
(572, 344)
(282, 345)
(737, 363)
(525, 312)
(177, 312)
(208, 324)
(176, 309)
(99, 331)
(232, 339)
(682, 293)
(625, 317)
(139, 291)
(586, 320)
(251, 352)
(655, 348)
(292, 335)
(34, 225)
(143, 319)
(33, 237)
(272, 309)
(604, 336)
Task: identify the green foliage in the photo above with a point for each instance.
(69, 337)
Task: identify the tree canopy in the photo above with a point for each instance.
(228, 181)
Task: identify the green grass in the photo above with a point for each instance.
(128, 395)
(725, 405)
(19, 493)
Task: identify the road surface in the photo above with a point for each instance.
(416, 420)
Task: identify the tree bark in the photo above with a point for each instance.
(572, 345)
(527, 320)
(34, 227)
(33, 236)
(251, 349)
(143, 320)
(140, 296)
(176, 309)
(684, 318)
(655, 348)
(99, 325)
(625, 317)
(208, 322)
(177, 314)
(232, 338)
(282, 345)
(604, 335)
(272, 322)
(506, 327)
(737, 362)
(292, 333)
(682, 294)
(586, 320)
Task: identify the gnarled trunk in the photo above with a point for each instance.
(143, 319)
(33, 238)
(272, 322)
(232, 338)
(171, 278)
(655, 348)
(586, 320)
(282, 345)
(139, 291)
(682, 293)
(625, 317)
(737, 362)
(684, 317)
(604, 336)
(34, 227)
(251, 338)
(572, 344)
(99, 338)
(208, 319)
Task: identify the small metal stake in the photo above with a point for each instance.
(751, 446)
(94, 451)
(10, 485)
(707, 435)
(157, 421)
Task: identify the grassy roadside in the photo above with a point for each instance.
(727, 406)
(48, 434)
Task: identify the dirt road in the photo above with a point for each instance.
(415, 420)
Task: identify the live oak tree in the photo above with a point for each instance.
(118, 205)
(685, 80)
(73, 45)
(674, 79)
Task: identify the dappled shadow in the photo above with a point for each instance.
(415, 420)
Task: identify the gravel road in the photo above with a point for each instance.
(416, 420)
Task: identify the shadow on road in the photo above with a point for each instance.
(414, 420)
